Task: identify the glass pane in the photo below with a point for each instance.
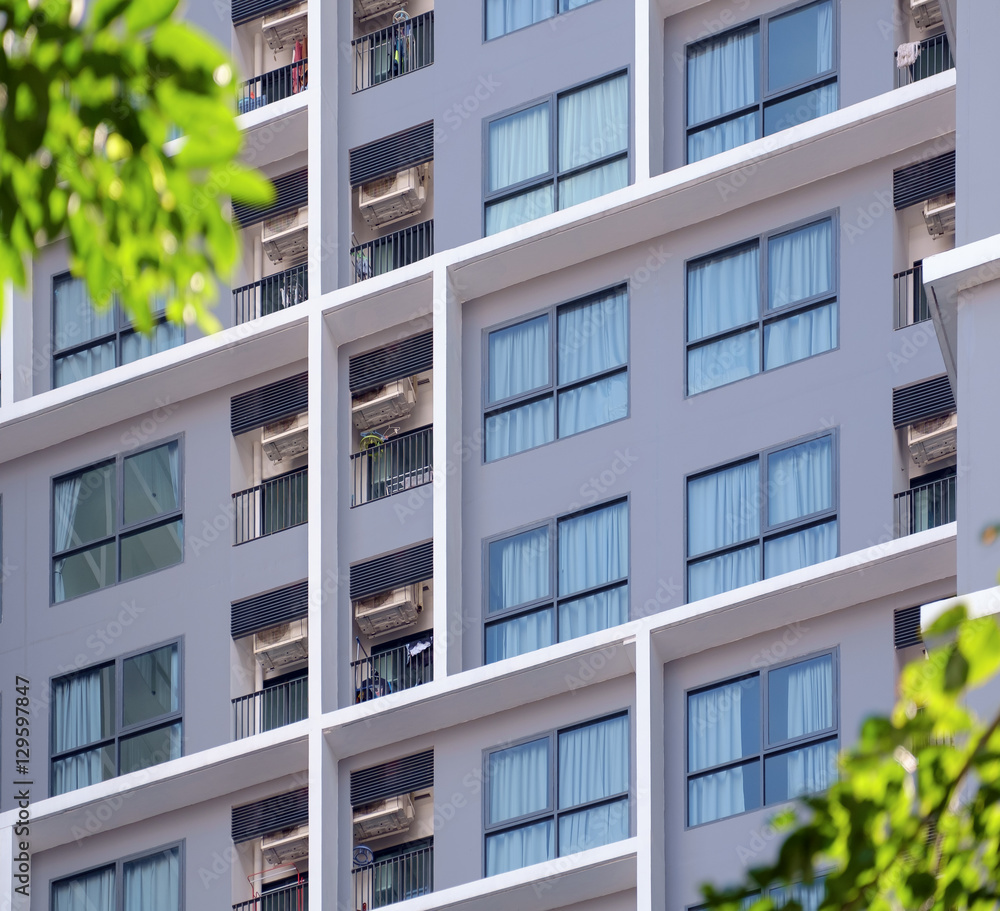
(503, 16)
(154, 549)
(800, 108)
(593, 123)
(799, 45)
(74, 318)
(519, 780)
(519, 569)
(518, 209)
(800, 336)
(520, 848)
(152, 483)
(724, 573)
(150, 685)
(809, 897)
(82, 769)
(89, 362)
(519, 147)
(593, 336)
(805, 771)
(517, 429)
(84, 507)
(801, 548)
(592, 405)
(566, 5)
(86, 892)
(800, 699)
(83, 708)
(725, 361)
(150, 748)
(519, 358)
(723, 136)
(723, 75)
(723, 507)
(723, 292)
(800, 264)
(593, 549)
(587, 615)
(723, 724)
(165, 336)
(800, 480)
(593, 183)
(724, 793)
(84, 572)
(593, 762)
(524, 633)
(594, 827)
(153, 883)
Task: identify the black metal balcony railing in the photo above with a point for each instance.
(394, 879)
(269, 87)
(400, 463)
(271, 294)
(399, 668)
(926, 506)
(393, 251)
(273, 506)
(271, 708)
(910, 297)
(394, 51)
(288, 898)
(934, 57)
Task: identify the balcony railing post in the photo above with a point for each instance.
(934, 56)
(394, 879)
(271, 708)
(398, 464)
(272, 86)
(924, 506)
(393, 51)
(383, 254)
(271, 294)
(273, 506)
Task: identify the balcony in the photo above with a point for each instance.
(269, 87)
(294, 897)
(933, 57)
(271, 294)
(272, 506)
(271, 708)
(391, 466)
(390, 879)
(394, 668)
(910, 297)
(924, 506)
(394, 51)
(383, 254)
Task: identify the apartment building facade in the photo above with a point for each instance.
(562, 491)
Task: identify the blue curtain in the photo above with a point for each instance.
(800, 335)
(800, 480)
(519, 358)
(724, 573)
(503, 16)
(723, 292)
(593, 549)
(520, 428)
(800, 264)
(801, 548)
(519, 147)
(519, 569)
(520, 847)
(724, 361)
(87, 892)
(520, 634)
(723, 507)
(593, 612)
(153, 883)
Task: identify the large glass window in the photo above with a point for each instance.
(116, 520)
(561, 580)
(740, 757)
(85, 342)
(762, 516)
(149, 883)
(116, 718)
(761, 304)
(558, 152)
(762, 77)
(530, 403)
(503, 16)
(557, 794)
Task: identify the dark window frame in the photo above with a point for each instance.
(559, 12)
(766, 749)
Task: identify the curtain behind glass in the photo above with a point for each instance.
(723, 793)
(722, 75)
(717, 732)
(84, 507)
(88, 892)
(519, 569)
(593, 549)
(800, 264)
(519, 147)
(800, 335)
(516, 429)
(153, 883)
(503, 16)
(725, 361)
(724, 573)
(809, 897)
(593, 762)
(520, 848)
(89, 362)
(136, 345)
(509, 213)
(593, 183)
(800, 481)
(519, 358)
(519, 780)
(520, 634)
(593, 123)
(83, 713)
(805, 771)
(593, 336)
(593, 827)
(723, 136)
(594, 612)
(802, 548)
(723, 507)
(800, 699)
(723, 293)
(75, 320)
(800, 45)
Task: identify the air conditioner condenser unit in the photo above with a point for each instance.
(379, 406)
(286, 235)
(933, 439)
(388, 199)
(365, 9)
(926, 13)
(386, 612)
(286, 439)
(286, 846)
(280, 646)
(285, 26)
(384, 817)
(939, 215)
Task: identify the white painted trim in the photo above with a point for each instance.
(642, 80)
(983, 603)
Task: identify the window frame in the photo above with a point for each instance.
(554, 388)
(766, 531)
(553, 175)
(121, 731)
(121, 529)
(765, 315)
(766, 99)
(119, 864)
(556, 14)
(551, 524)
(765, 749)
(122, 329)
(552, 810)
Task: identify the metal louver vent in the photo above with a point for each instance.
(283, 811)
(921, 401)
(269, 403)
(245, 10)
(269, 609)
(919, 182)
(405, 358)
(393, 154)
(392, 571)
(401, 776)
(906, 627)
(291, 192)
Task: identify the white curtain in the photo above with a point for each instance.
(503, 16)
(87, 892)
(593, 336)
(597, 403)
(802, 548)
(800, 335)
(810, 696)
(152, 483)
(519, 848)
(722, 75)
(824, 37)
(809, 897)
(723, 293)
(517, 429)
(800, 108)
(723, 573)
(509, 213)
(88, 362)
(593, 827)
(519, 569)
(719, 795)
(82, 710)
(800, 264)
(593, 762)
(524, 633)
(166, 335)
(75, 319)
(66, 501)
(726, 135)
(593, 183)
(519, 780)
(594, 612)
(593, 123)
(723, 507)
(811, 769)
(519, 147)
(593, 549)
(800, 480)
(566, 5)
(724, 361)
(519, 358)
(153, 883)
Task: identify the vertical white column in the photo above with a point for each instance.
(642, 74)
(447, 334)
(649, 778)
(324, 157)
(325, 857)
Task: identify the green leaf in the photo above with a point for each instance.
(250, 187)
(956, 671)
(947, 622)
(147, 13)
(979, 642)
(103, 12)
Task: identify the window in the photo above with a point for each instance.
(529, 403)
(747, 312)
(116, 520)
(775, 72)
(762, 516)
(503, 16)
(740, 758)
(557, 794)
(558, 581)
(558, 152)
(85, 342)
(148, 883)
(117, 718)
(809, 896)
